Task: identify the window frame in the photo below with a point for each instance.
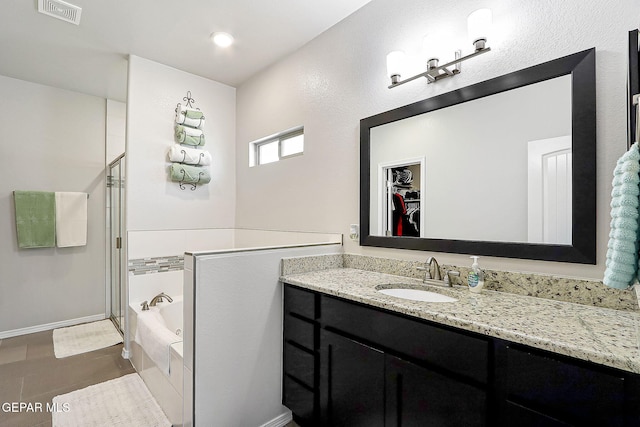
(254, 147)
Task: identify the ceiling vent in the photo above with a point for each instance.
(61, 10)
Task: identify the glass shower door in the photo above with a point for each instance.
(115, 191)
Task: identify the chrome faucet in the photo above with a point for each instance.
(158, 298)
(436, 271)
(427, 269)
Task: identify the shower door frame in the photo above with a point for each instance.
(117, 255)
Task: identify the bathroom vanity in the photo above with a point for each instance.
(356, 357)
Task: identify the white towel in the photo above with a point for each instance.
(155, 338)
(189, 117)
(190, 156)
(71, 219)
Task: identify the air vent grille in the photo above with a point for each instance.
(61, 10)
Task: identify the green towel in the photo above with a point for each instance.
(189, 136)
(189, 174)
(193, 114)
(35, 218)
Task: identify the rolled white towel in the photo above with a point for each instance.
(191, 156)
(189, 117)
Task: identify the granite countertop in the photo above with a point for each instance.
(600, 335)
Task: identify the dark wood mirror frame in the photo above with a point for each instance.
(633, 86)
(581, 67)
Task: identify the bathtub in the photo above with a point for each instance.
(157, 352)
(170, 313)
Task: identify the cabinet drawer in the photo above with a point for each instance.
(300, 302)
(299, 331)
(299, 400)
(453, 351)
(564, 390)
(299, 364)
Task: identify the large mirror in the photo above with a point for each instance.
(505, 167)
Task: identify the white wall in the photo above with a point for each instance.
(153, 201)
(237, 322)
(340, 77)
(158, 243)
(52, 140)
(116, 128)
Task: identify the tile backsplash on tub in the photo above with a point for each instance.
(156, 265)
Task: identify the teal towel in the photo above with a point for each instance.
(625, 178)
(631, 191)
(623, 257)
(35, 219)
(624, 234)
(190, 174)
(624, 223)
(624, 200)
(622, 246)
(622, 250)
(625, 212)
(621, 267)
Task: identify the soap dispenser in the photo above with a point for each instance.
(475, 279)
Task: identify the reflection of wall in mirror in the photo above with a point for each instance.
(549, 191)
(476, 151)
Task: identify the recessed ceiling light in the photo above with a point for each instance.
(222, 39)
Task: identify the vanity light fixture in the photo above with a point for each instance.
(222, 39)
(478, 26)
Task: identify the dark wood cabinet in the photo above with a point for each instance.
(349, 364)
(300, 355)
(417, 396)
(550, 389)
(351, 383)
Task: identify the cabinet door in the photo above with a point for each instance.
(351, 383)
(417, 396)
(559, 388)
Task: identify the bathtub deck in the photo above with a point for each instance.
(30, 372)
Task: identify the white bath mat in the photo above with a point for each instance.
(83, 338)
(124, 401)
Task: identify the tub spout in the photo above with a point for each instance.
(158, 298)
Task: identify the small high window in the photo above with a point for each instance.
(276, 147)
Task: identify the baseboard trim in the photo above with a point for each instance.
(280, 421)
(49, 326)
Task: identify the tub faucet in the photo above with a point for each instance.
(158, 298)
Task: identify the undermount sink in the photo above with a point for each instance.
(417, 295)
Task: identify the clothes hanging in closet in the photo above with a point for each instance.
(402, 225)
(399, 211)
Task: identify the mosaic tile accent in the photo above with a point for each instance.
(156, 265)
(579, 291)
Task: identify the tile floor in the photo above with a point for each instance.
(30, 373)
